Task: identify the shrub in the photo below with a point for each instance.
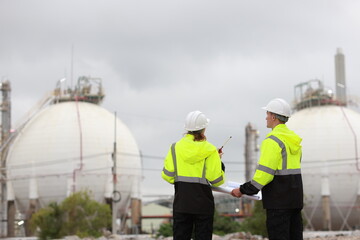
(48, 220)
(77, 215)
(255, 224)
(224, 225)
(165, 230)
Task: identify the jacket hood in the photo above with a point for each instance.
(194, 151)
(292, 140)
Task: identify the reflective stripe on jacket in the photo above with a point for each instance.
(196, 162)
(194, 167)
(278, 173)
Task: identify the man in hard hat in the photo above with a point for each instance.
(192, 164)
(278, 175)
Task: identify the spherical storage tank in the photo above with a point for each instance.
(68, 147)
(330, 166)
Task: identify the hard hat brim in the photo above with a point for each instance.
(196, 129)
(264, 108)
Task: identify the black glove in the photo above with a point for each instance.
(248, 188)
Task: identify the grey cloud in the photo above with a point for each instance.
(160, 59)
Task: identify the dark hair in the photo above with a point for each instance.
(281, 118)
(198, 135)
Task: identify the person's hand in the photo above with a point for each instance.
(236, 193)
(220, 152)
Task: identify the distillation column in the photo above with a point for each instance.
(251, 150)
(340, 77)
(5, 126)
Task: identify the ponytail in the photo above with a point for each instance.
(198, 135)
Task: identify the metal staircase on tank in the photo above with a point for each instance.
(313, 93)
(88, 89)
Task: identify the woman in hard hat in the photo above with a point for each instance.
(278, 175)
(192, 164)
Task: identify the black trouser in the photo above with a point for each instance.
(284, 224)
(185, 222)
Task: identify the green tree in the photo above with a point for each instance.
(48, 220)
(84, 217)
(165, 230)
(255, 224)
(77, 215)
(224, 225)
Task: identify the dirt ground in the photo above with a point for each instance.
(340, 235)
(343, 235)
(334, 238)
(336, 235)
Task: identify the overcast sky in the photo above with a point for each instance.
(160, 59)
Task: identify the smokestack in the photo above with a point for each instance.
(340, 77)
(251, 149)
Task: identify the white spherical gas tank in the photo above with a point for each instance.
(68, 147)
(330, 165)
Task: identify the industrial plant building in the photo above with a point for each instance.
(68, 143)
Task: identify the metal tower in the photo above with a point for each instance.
(340, 77)
(5, 107)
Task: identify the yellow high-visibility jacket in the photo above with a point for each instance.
(195, 165)
(278, 174)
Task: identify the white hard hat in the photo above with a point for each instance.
(278, 106)
(195, 121)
